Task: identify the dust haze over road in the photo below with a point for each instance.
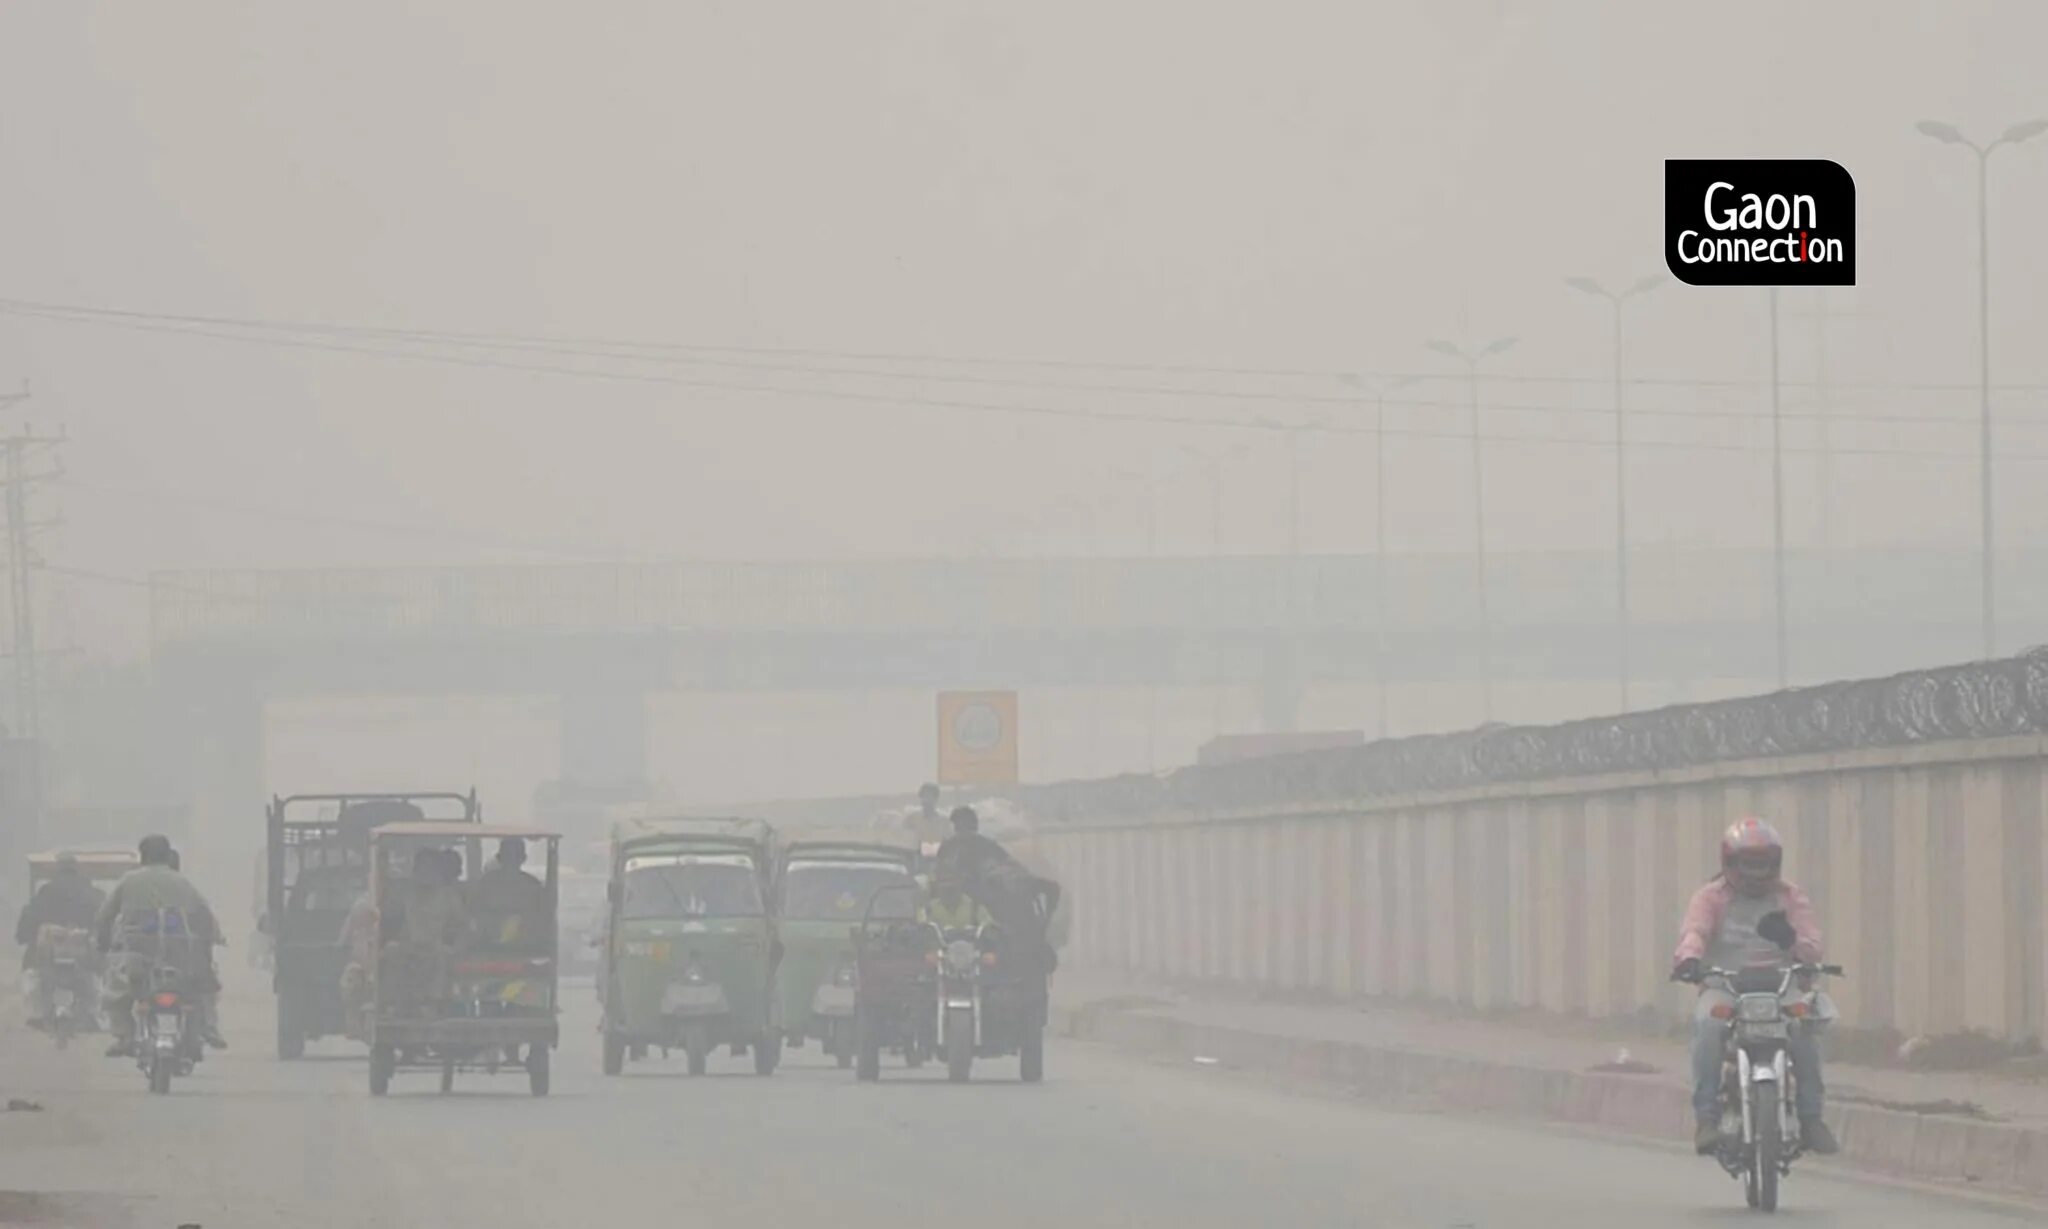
(1106, 1141)
(507, 327)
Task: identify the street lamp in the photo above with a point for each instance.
(1472, 358)
(1615, 299)
(1381, 617)
(1948, 134)
(1148, 484)
(1213, 462)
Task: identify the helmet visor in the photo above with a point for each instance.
(1756, 866)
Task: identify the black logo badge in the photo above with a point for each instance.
(1760, 222)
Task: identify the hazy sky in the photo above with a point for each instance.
(1316, 186)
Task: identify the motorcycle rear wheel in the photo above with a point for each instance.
(160, 1073)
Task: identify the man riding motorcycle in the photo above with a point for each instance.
(1019, 901)
(68, 900)
(1748, 916)
(950, 908)
(144, 895)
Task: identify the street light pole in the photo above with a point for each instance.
(1471, 359)
(1214, 464)
(1379, 543)
(1948, 134)
(1621, 614)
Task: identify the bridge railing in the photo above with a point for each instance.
(1976, 700)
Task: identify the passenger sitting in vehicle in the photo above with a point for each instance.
(431, 925)
(508, 905)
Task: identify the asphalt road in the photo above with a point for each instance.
(253, 1142)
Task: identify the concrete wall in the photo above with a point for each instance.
(1927, 865)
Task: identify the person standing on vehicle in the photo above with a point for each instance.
(1749, 916)
(927, 826)
(150, 894)
(66, 899)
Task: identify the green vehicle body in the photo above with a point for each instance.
(815, 978)
(693, 983)
(306, 845)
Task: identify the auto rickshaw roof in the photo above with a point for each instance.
(731, 831)
(456, 831)
(88, 857)
(844, 842)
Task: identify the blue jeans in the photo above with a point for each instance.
(1709, 1041)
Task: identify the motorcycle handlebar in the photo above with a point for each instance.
(1700, 974)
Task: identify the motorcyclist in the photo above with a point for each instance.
(1021, 902)
(951, 908)
(67, 899)
(1749, 916)
(209, 998)
(152, 891)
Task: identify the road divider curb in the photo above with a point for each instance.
(1989, 1156)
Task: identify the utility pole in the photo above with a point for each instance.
(21, 563)
(1471, 357)
(1822, 317)
(1777, 497)
(1948, 134)
(1615, 299)
(1381, 607)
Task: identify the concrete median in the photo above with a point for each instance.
(2009, 1158)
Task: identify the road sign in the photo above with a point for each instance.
(978, 738)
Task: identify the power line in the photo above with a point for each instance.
(639, 351)
(562, 550)
(984, 407)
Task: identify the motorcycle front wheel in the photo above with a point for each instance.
(1762, 1183)
(959, 1043)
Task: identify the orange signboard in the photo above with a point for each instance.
(977, 738)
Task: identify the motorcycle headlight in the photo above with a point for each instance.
(962, 955)
(1757, 1008)
(843, 975)
(694, 974)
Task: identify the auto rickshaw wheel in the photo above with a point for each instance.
(1031, 1056)
(767, 1054)
(614, 1053)
(382, 1062)
(537, 1068)
(291, 1043)
(867, 1043)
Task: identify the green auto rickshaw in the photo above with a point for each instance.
(691, 945)
(825, 881)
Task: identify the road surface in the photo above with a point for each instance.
(250, 1141)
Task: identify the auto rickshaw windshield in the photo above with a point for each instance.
(690, 886)
(827, 891)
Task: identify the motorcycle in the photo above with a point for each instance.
(1760, 1135)
(167, 1038)
(71, 986)
(986, 1010)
